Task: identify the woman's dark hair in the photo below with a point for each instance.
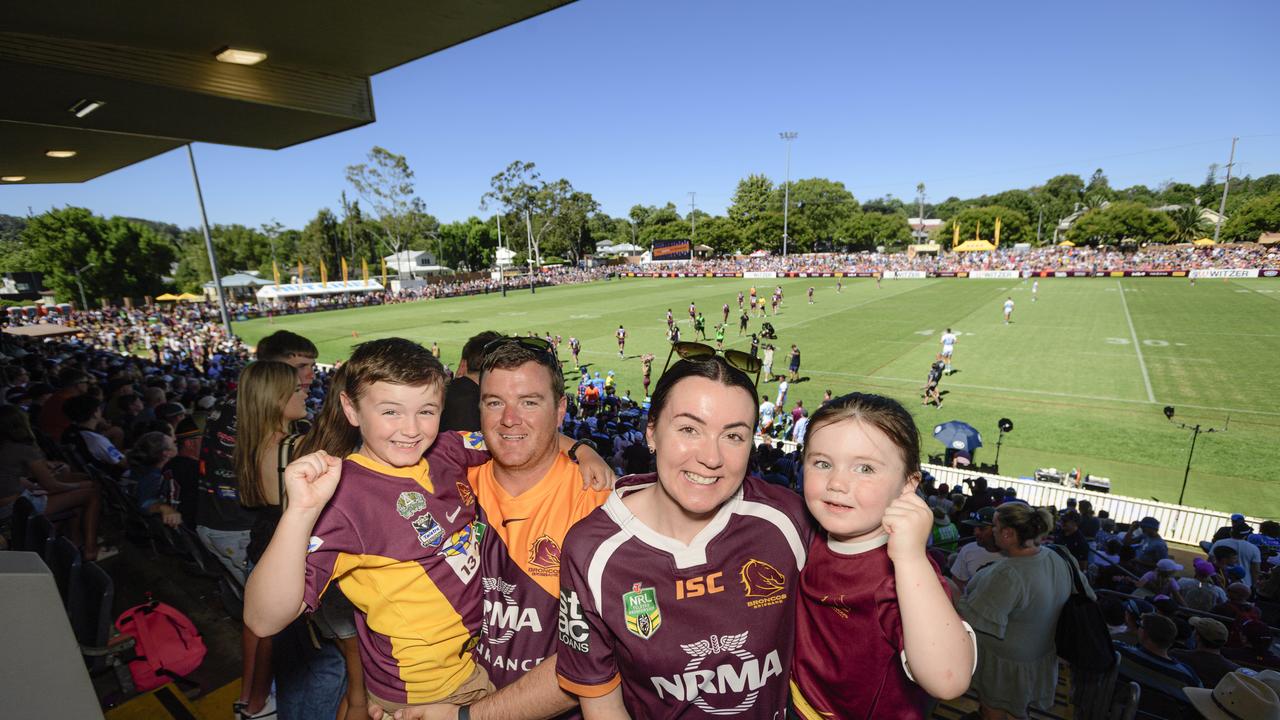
(714, 368)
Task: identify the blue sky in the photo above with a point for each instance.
(643, 102)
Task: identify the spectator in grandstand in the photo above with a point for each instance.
(50, 486)
(1237, 696)
(1239, 610)
(1014, 605)
(183, 469)
(147, 458)
(1089, 523)
(1205, 656)
(1250, 557)
(85, 416)
(52, 420)
(224, 525)
(462, 396)
(1257, 651)
(944, 536)
(1070, 537)
(981, 552)
(1200, 592)
(1162, 581)
(701, 420)
(1148, 663)
(1224, 558)
(1149, 547)
(270, 399)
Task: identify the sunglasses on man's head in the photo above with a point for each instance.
(531, 343)
(698, 351)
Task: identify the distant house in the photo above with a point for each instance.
(1210, 216)
(414, 263)
(921, 227)
(238, 286)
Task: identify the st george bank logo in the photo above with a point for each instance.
(762, 582)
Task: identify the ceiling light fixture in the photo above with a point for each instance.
(13, 178)
(238, 56)
(60, 153)
(84, 107)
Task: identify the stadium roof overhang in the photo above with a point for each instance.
(153, 68)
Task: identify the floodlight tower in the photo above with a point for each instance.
(787, 136)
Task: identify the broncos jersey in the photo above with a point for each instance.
(697, 631)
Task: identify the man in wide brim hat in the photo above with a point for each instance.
(1236, 697)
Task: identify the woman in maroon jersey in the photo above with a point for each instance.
(678, 595)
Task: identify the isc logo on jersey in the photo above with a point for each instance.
(573, 627)
(504, 614)
(728, 687)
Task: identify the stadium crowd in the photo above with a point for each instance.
(142, 406)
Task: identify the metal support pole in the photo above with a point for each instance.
(84, 303)
(208, 244)
(502, 273)
(1222, 208)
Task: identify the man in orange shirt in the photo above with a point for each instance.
(529, 495)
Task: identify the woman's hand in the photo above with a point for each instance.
(908, 520)
(311, 480)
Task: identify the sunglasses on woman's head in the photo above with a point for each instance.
(697, 351)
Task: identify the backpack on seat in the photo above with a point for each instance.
(167, 644)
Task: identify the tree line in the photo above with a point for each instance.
(550, 221)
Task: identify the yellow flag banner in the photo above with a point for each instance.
(977, 230)
(955, 233)
(344, 272)
(301, 277)
(384, 271)
(275, 270)
(364, 270)
(996, 241)
(324, 273)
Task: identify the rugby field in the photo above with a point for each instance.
(1083, 373)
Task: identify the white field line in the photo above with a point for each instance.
(996, 388)
(1137, 347)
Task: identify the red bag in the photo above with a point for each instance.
(166, 642)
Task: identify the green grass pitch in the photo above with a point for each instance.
(1083, 372)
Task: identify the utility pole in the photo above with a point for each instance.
(84, 304)
(1039, 224)
(528, 224)
(788, 136)
(1222, 208)
(693, 223)
(502, 273)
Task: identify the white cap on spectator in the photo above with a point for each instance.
(1168, 565)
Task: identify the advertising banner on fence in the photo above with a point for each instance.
(905, 275)
(994, 274)
(670, 250)
(759, 274)
(1269, 272)
(1225, 273)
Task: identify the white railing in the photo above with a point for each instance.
(1178, 524)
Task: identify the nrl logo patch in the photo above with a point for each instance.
(410, 504)
(640, 606)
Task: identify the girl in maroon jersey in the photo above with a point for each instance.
(864, 649)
